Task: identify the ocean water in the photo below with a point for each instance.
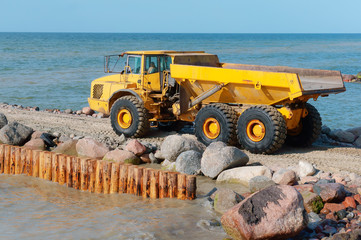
(54, 70)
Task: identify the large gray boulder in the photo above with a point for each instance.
(15, 133)
(218, 157)
(122, 156)
(224, 199)
(343, 136)
(88, 147)
(189, 162)
(3, 120)
(174, 145)
(276, 212)
(243, 175)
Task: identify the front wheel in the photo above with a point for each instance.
(128, 116)
(261, 129)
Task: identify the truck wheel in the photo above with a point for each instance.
(129, 117)
(261, 129)
(308, 131)
(216, 122)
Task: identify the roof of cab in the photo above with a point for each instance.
(157, 52)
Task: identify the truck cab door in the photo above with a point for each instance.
(132, 70)
(152, 73)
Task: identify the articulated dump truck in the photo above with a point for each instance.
(259, 107)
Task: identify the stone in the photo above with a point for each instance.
(355, 131)
(88, 147)
(349, 202)
(330, 192)
(168, 166)
(313, 220)
(15, 133)
(87, 111)
(145, 158)
(78, 112)
(64, 138)
(35, 144)
(343, 136)
(121, 156)
(68, 147)
(68, 111)
(260, 182)
(304, 187)
(158, 155)
(308, 179)
(348, 77)
(122, 139)
(357, 198)
(224, 199)
(3, 120)
(325, 130)
(174, 145)
(334, 207)
(276, 212)
(189, 162)
(312, 202)
(341, 214)
(357, 142)
(152, 158)
(135, 147)
(242, 175)
(218, 157)
(284, 177)
(36, 134)
(305, 169)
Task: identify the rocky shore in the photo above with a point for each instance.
(309, 193)
(352, 78)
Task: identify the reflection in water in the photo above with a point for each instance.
(32, 208)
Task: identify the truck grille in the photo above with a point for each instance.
(97, 91)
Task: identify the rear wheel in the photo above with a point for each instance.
(129, 117)
(216, 122)
(261, 129)
(308, 130)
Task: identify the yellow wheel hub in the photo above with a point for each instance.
(211, 128)
(124, 118)
(256, 130)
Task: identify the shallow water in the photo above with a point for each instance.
(32, 208)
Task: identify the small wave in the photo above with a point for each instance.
(23, 98)
(31, 82)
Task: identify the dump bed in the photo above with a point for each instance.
(256, 84)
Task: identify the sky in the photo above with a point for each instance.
(185, 16)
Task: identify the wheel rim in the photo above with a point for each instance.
(124, 118)
(256, 130)
(211, 128)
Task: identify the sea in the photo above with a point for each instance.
(54, 70)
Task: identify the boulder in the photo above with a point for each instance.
(309, 179)
(357, 142)
(276, 212)
(145, 158)
(224, 199)
(343, 136)
(260, 182)
(355, 131)
(285, 177)
(121, 156)
(68, 147)
(312, 202)
(243, 174)
(305, 169)
(218, 157)
(15, 133)
(68, 111)
(330, 192)
(88, 147)
(135, 147)
(189, 162)
(174, 145)
(3, 120)
(36, 134)
(35, 144)
(87, 111)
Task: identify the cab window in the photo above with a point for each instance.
(134, 62)
(151, 64)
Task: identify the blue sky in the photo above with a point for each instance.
(186, 16)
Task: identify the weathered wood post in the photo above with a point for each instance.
(114, 178)
(92, 168)
(23, 161)
(163, 184)
(69, 171)
(123, 177)
(7, 152)
(84, 174)
(41, 164)
(36, 155)
(172, 184)
(62, 169)
(75, 176)
(47, 166)
(146, 182)
(55, 167)
(107, 170)
(154, 184)
(191, 187)
(130, 179)
(181, 186)
(29, 162)
(99, 177)
(138, 177)
(12, 159)
(17, 160)
(2, 155)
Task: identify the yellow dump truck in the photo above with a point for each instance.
(260, 107)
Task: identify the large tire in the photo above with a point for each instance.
(310, 129)
(128, 116)
(216, 122)
(261, 129)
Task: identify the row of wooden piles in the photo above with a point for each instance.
(96, 175)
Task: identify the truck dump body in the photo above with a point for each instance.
(253, 84)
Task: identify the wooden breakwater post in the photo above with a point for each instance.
(97, 176)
